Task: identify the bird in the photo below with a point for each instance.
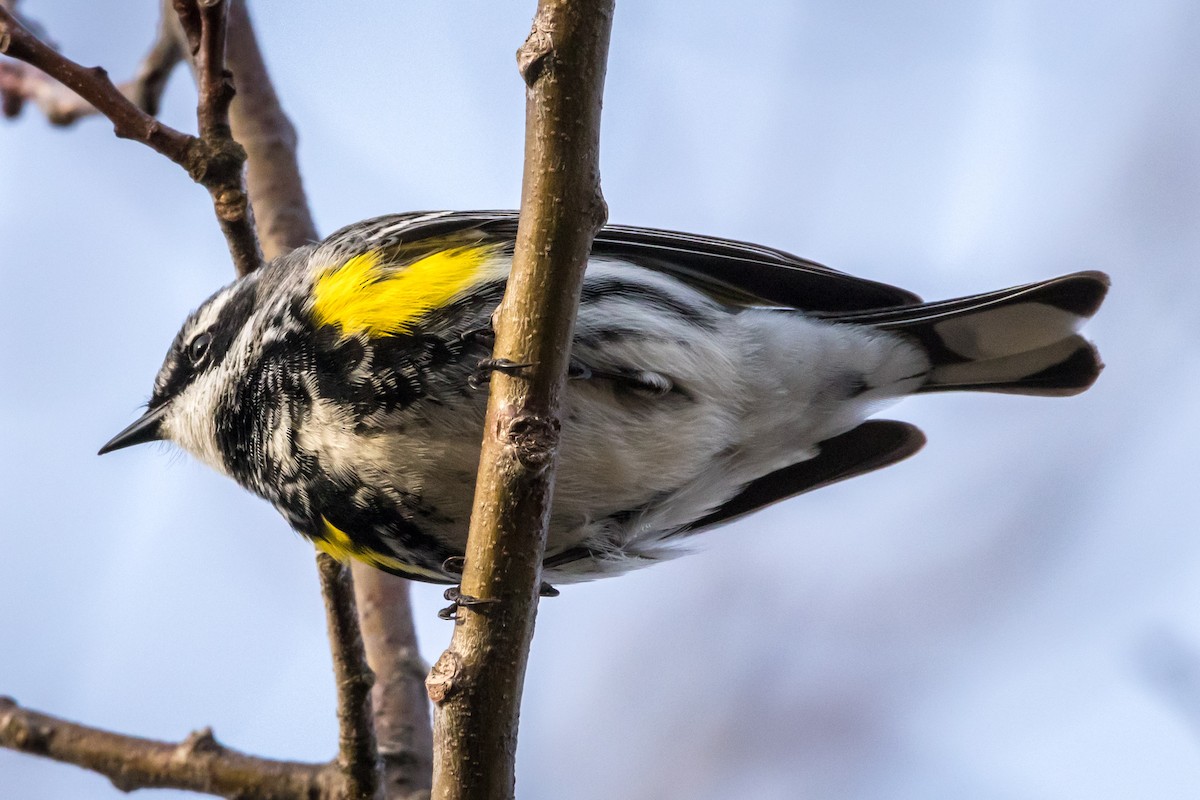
(345, 383)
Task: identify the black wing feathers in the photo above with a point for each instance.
(735, 273)
(756, 275)
(875, 444)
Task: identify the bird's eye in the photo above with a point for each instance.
(197, 349)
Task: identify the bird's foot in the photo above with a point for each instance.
(459, 600)
(485, 368)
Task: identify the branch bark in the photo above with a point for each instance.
(198, 764)
(20, 83)
(358, 754)
(214, 160)
(281, 208)
(476, 684)
(204, 25)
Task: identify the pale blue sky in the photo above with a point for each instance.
(1011, 614)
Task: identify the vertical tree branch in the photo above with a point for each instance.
(204, 24)
(401, 707)
(476, 684)
(358, 755)
(281, 210)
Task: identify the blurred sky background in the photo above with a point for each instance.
(1014, 613)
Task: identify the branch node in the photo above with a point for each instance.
(23, 734)
(197, 742)
(442, 681)
(533, 439)
(231, 204)
(534, 56)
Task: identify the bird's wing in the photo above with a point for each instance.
(743, 274)
(872, 445)
(732, 272)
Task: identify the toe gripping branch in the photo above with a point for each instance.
(485, 337)
(486, 366)
(459, 600)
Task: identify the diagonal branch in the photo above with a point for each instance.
(476, 684)
(198, 764)
(214, 161)
(129, 121)
(20, 83)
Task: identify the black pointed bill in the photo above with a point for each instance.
(148, 428)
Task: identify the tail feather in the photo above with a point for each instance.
(1067, 367)
(1021, 340)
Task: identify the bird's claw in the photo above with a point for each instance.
(459, 600)
(485, 368)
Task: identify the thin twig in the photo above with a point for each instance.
(357, 752)
(188, 13)
(204, 23)
(147, 87)
(476, 684)
(215, 83)
(215, 163)
(401, 707)
(199, 763)
(281, 209)
(21, 83)
(129, 121)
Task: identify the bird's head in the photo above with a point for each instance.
(199, 379)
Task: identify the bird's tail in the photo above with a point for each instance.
(1021, 340)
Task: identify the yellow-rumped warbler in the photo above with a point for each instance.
(709, 378)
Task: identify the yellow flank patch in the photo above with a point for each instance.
(337, 543)
(363, 296)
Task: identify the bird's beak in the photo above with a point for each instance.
(148, 428)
